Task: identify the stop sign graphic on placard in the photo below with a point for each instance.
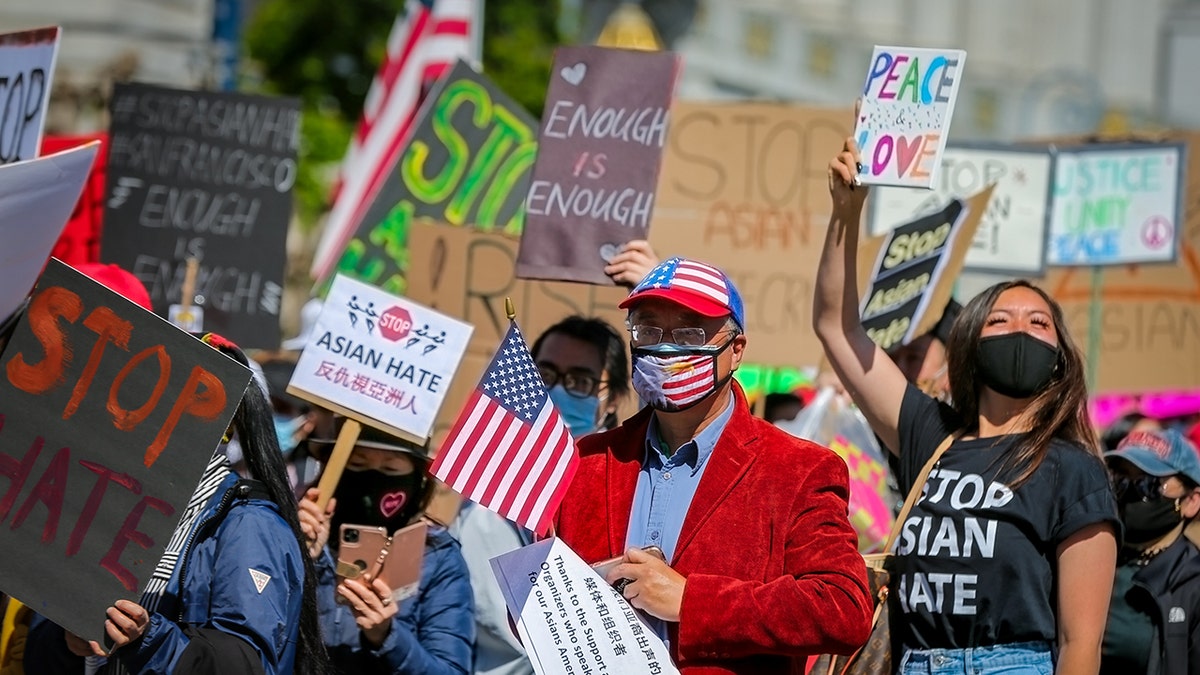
(395, 323)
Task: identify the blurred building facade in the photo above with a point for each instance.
(1034, 68)
(168, 42)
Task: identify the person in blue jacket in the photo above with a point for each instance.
(241, 597)
(431, 632)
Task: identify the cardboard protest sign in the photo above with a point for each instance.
(26, 72)
(80, 241)
(910, 265)
(570, 621)
(939, 292)
(108, 416)
(1012, 234)
(603, 131)
(1140, 324)
(381, 359)
(1116, 205)
(907, 104)
(204, 175)
(467, 162)
(36, 198)
(744, 188)
(473, 276)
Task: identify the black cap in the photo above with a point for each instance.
(370, 437)
(278, 372)
(942, 330)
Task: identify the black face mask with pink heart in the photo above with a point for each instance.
(373, 498)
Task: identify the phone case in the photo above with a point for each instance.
(359, 549)
(402, 565)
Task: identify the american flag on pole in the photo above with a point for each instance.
(509, 450)
(424, 43)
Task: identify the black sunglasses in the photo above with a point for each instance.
(1141, 488)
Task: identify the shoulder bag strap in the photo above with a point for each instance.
(915, 493)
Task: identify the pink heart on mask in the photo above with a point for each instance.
(392, 502)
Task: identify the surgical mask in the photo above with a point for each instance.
(1016, 364)
(373, 498)
(1150, 520)
(672, 378)
(578, 413)
(286, 429)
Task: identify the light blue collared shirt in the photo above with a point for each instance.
(666, 485)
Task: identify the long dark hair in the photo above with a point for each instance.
(1058, 411)
(264, 460)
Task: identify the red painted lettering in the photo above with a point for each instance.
(108, 327)
(43, 315)
(104, 476)
(205, 404)
(17, 472)
(129, 532)
(50, 490)
(126, 420)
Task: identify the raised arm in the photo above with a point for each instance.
(872, 380)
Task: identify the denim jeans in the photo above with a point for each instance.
(1024, 658)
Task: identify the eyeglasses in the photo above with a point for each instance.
(1143, 488)
(646, 336)
(578, 385)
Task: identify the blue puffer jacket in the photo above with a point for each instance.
(433, 632)
(239, 543)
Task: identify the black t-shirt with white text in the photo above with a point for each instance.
(975, 561)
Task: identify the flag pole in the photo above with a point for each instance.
(509, 309)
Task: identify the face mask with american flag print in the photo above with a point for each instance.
(675, 378)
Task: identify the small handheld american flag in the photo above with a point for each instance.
(509, 451)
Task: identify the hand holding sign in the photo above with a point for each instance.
(601, 143)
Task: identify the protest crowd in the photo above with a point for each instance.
(411, 484)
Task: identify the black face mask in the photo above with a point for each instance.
(375, 499)
(1149, 521)
(1016, 364)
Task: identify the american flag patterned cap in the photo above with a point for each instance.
(700, 287)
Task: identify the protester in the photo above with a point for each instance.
(430, 633)
(295, 420)
(13, 632)
(782, 407)
(1011, 549)
(1154, 618)
(218, 619)
(761, 566)
(1125, 425)
(923, 361)
(585, 369)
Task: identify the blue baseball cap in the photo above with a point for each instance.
(1160, 453)
(701, 288)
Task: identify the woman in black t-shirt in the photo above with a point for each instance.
(1005, 564)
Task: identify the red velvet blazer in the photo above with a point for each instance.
(773, 572)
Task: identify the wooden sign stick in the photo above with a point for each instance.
(189, 285)
(346, 439)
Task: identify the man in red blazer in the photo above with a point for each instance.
(761, 562)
